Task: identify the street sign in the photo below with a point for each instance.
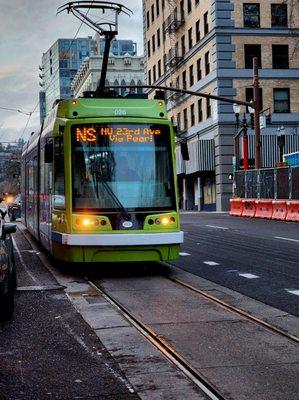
(263, 122)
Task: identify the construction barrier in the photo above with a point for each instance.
(236, 207)
(292, 211)
(264, 208)
(248, 208)
(279, 209)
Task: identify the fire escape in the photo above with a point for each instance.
(172, 59)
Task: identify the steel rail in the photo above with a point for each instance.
(232, 308)
(163, 346)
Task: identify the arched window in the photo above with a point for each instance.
(116, 83)
(107, 83)
(132, 83)
(139, 90)
(123, 90)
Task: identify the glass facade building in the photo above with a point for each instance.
(59, 66)
(118, 47)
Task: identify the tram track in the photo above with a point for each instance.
(234, 309)
(163, 346)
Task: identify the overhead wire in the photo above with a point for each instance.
(55, 73)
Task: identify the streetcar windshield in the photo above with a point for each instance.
(125, 166)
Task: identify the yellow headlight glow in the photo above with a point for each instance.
(165, 221)
(86, 221)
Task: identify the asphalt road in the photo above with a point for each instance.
(258, 258)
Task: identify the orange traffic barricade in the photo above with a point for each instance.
(279, 209)
(292, 211)
(236, 207)
(264, 208)
(248, 208)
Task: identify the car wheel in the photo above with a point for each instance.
(7, 304)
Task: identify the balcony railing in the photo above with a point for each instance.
(174, 22)
(173, 57)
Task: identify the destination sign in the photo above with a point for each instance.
(116, 134)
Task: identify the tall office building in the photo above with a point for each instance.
(118, 47)
(208, 46)
(59, 66)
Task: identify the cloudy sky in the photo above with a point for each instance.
(27, 29)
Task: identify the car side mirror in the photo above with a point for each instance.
(7, 229)
(48, 152)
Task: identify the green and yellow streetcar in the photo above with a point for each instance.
(99, 181)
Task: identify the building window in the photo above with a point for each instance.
(185, 118)
(158, 38)
(249, 97)
(153, 43)
(207, 62)
(184, 80)
(196, 2)
(197, 30)
(206, 23)
(189, 6)
(199, 106)
(251, 13)
(279, 15)
(163, 4)
(154, 74)
(198, 63)
(192, 115)
(251, 51)
(281, 100)
(157, 7)
(179, 121)
(148, 49)
(153, 12)
(159, 69)
(183, 45)
(280, 56)
(182, 9)
(147, 19)
(208, 105)
(163, 32)
(190, 38)
(149, 77)
(191, 76)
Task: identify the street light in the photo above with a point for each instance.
(237, 110)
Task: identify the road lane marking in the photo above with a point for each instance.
(211, 263)
(23, 262)
(296, 292)
(289, 239)
(217, 227)
(249, 276)
(184, 254)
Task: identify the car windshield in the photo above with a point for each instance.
(125, 166)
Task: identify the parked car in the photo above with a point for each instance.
(8, 280)
(14, 208)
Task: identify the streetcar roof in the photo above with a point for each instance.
(93, 108)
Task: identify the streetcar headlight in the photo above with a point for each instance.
(165, 221)
(86, 221)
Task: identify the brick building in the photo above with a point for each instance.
(208, 46)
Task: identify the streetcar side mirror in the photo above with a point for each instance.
(48, 152)
(185, 151)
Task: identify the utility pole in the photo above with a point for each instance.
(256, 107)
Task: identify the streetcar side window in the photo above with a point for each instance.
(59, 184)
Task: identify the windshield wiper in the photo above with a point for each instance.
(121, 208)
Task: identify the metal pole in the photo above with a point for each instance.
(256, 106)
(101, 86)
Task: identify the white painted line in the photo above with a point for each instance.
(217, 227)
(211, 263)
(232, 270)
(249, 276)
(296, 292)
(23, 262)
(184, 254)
(283, 238)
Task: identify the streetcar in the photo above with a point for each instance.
(99, 181)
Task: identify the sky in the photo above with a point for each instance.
(27, 29)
